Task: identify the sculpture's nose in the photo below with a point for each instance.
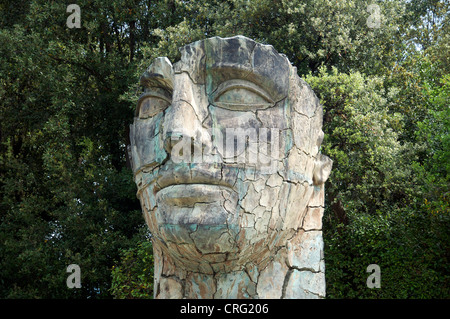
(183, 119)
(182, 125)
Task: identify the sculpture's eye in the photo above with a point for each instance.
(241, 95)
(151, 104)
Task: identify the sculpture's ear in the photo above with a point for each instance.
(322, 169)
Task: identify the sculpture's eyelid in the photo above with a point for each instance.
(159, 94)
(237, 84)
(153, 94)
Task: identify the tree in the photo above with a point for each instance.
(382, 206)
(67, 195)
(132, 278)
(310, 33)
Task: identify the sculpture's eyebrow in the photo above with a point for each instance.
(242, 58)
(155, 80)
(222, 73)
(158, 75)
(241, 83)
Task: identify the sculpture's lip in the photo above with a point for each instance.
(158, 187)
(206, 175)
(187, 195)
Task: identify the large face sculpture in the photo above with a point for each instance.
(225, 154)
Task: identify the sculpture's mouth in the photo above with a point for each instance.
(196, 178)
(187, 195)
(188, 185)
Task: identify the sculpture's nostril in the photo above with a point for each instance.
(186, 148)
(171, 139)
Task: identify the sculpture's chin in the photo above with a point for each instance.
(198, 223)
(196, 204)
(212, 228)
(211, 249)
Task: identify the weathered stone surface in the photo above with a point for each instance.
(321, 172)
(296, 206)
(146, 150)
(199, 286)
(274, 180)
(158, 74)
(270, 281)
(225, 154)
(313, 219)
(305, 251)
(297, 163)
(236, 285)
(317, 197)
(300, 129)
(193, 59)
(213, 239)
(251, 199)
(268, 196)
(268, 64)
(169, 288)
(305, 285)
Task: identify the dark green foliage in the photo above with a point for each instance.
(132, 278)
(67, 98)
(387, 199)
(67, 194)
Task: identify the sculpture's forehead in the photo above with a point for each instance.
(211, 62)
(215, 60)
